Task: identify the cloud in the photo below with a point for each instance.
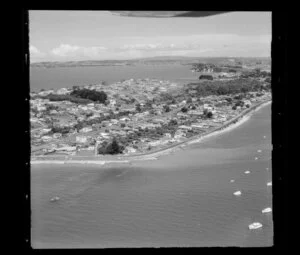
(35, 54)
(66, 50)
(151, 47)
(140, 46)
(33, 50)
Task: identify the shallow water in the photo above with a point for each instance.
(61, 77)
(182, 199)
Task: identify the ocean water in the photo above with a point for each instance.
(180, 200)
(61, 77)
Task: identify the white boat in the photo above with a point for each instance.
(256, 158)
(267, 210)
(54, 199)
(247, 172)
(237, 193)
(269, 183)
(255, 225)
(259, 151)
(231, 180)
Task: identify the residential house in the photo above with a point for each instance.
(57, 135)
(46, 138)
(63, 91)
(81, 139)
(86, 129)
(185, 127)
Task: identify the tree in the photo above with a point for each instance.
(111, 148)
(93, 95)
(189, 100)
(184, 109)
(205, 77)
(138, 108)
(209, 115)
(173, 122)
(167, 108)
(114, 147)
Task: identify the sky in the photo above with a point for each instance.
(101, 35)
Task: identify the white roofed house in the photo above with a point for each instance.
(86, 129)
(129, 149)
(183, 127)
(195, 112)
(182, 103)
(95, 116)
(45, 130)
(46, 138)
(45, 93)
(247, 103)
(179, 134)
(63, 91)
(81, 139)
(57, 135)
(41, 107)
(113, 102)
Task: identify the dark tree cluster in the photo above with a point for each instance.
(50, 107)
(138, 108)
(184, 109)
(257, 73)
(167, 108)
(111, 147)
(225, 87)
(93, 95)
(63, 130)
(205, 77)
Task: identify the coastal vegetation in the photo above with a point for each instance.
(230, 87)
(79, 96)
(93, 95)
(112, 147)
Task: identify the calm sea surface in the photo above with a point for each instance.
(47, 78)
(182, 199)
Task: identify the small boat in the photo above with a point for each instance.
(259, 151)
(237, 193)
(231, 180)
(267, 168)
(255, 225)
(256, 158)
(267, 210)
(247, 172)
(269, 183)
(54, 199)
(264, 136)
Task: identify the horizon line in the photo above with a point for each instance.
(130, 59)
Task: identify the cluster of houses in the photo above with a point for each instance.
(122, 97)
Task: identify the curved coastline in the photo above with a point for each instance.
(229, 125)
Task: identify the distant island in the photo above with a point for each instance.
(150, 61)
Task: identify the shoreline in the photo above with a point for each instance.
(227, 126)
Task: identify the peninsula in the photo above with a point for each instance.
(139, 117)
